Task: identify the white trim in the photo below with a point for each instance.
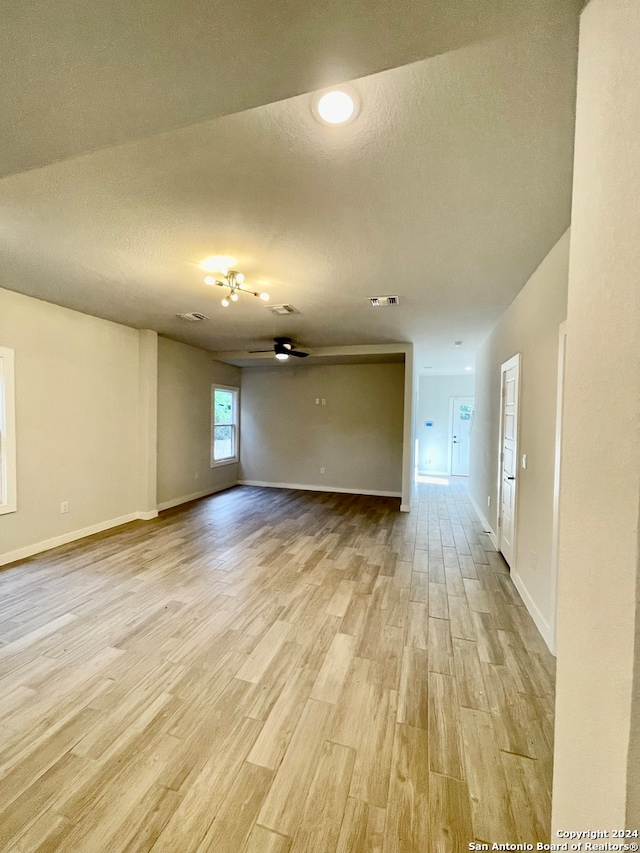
(541, 623)
(405, 507)
(72, 536)
(8, 489)
(147, 516)
(555, 535)
(434, 473)
(309, 488)
(485, 523)
(194, 496)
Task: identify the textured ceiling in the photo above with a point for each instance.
(447, 190)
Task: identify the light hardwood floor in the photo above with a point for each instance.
(274, 672)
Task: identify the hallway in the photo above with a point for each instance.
(278, 671)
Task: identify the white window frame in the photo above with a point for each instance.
(8, 480)
(232, 460)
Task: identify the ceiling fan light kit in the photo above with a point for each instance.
(233, 280)
(283, 349)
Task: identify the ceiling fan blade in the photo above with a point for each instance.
(297, 354)
(260, 350)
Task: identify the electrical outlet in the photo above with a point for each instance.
(64, 506)
(488, 500)
(324, 402)
(317, 401)
(322, 470)
(524, 460)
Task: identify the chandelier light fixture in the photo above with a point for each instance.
(232, 279)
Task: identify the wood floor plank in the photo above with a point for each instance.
(258, 661)
(445, 737)
(407, 824)
(490, 802)
(450, 826)
(413, 701)
(285, 801)
(319, 827)
(362, 828)
(330, 680)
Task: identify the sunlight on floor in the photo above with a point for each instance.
(437, 481)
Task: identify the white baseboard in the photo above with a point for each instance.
(184, 499)
(405, 507)
(433, 473)
(72, 536)
(485, 523)
(308, 488)
(541, 623)
(147, 516)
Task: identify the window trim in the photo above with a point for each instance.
(8, 487)
(232, 460)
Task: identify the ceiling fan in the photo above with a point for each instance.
(283, 348)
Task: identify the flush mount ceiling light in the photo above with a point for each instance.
(233, 280)
(335, 106)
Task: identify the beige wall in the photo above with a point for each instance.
(434, 398)
(596, 721)
(357, 436)
(529, 326)
(185, 376)
(76, 421)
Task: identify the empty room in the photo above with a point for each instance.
(319, 426)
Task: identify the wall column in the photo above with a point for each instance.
(147, 423)
(595, 777)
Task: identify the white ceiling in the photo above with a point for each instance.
(447, 190)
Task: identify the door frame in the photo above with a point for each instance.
(452, 406)
(555, 535)
(507, 365)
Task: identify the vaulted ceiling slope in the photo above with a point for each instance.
(79, 75)
(448, 189)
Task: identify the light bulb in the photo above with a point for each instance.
(239, 277)
(218, 263)
(225, 302)
(234, 297)
(264, 296)
(335, 107)
(209, 279)
(282, 356)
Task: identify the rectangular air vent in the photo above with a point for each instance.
(193, 316)
(382, 301)
(281, 309)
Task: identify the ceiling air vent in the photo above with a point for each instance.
(193, 316)
(382, 301)
(282, 309)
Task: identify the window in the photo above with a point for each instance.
(7, 433)
(224, 439)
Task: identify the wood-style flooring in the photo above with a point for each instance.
(274, 672)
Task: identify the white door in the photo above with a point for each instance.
(461, 420)
(508, 484)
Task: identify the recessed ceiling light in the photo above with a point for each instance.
(468, 368)
(335, 106)
(218, 263)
